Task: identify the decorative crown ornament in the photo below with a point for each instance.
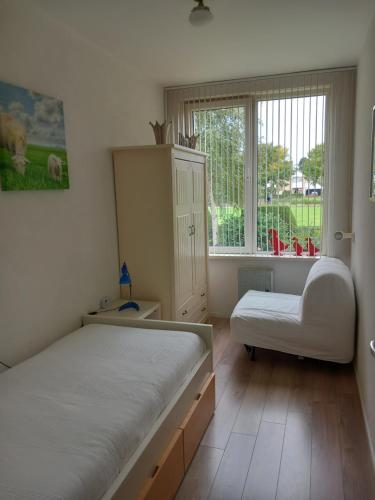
(188, 141)
(161, 131)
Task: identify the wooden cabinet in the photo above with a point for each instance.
(162, 226)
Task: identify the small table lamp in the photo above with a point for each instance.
(125, 279)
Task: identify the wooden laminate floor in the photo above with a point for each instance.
(284, 429)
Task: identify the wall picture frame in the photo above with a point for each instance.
(33, 152)
(372, 179)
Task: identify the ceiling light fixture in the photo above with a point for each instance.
(200, 14)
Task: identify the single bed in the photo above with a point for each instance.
(88, 417)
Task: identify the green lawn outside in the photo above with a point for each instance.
(306, 215)
(36, 173)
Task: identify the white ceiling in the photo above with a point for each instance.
(246, 37)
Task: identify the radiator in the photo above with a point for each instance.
(250, 278)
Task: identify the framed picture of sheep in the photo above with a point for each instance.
(32, 140)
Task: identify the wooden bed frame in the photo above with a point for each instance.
(157, 467)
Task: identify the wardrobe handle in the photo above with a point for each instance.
(203, 294)
(203, 309)
(185, 312)
(193, 229)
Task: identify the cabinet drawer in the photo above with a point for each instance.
(198, 418)
(185, 311)
(202, 293)
(184, 314)
(194, 309)
(199, 313)
(168, 473)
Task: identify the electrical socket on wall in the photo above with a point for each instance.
(105, 302)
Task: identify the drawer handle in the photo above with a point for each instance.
(155, 471)
(199, 396)
(203, 294)
(185, 312)
(203, 309)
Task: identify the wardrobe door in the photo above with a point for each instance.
(183, 196)
(199, 227)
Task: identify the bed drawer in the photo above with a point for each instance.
(197, 419)
(168, 473)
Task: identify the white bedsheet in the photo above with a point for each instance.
(71, 416)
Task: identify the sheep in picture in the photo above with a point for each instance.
(13, 137)
(55, 167)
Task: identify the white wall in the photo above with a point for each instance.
(363, 249)
(58, 250)
(289, 277)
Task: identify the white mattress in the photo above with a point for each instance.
(72, 416)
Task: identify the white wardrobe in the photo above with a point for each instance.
(162, 227)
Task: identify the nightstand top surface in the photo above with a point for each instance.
(145, 309)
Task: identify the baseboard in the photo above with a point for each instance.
(371, 446)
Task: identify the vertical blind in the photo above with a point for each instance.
(279, 165)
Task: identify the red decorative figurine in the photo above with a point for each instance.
(277, 245)
(297, 247)
(311, 248)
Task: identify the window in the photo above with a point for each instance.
(280, 159)
(283, 213)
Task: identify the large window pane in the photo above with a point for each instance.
(222, 135)
(290, 169)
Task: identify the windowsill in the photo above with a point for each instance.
(259, 257)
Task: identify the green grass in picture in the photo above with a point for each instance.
(36, 174)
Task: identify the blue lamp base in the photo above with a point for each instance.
(129, 305)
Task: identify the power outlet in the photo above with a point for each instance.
(105, 302)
